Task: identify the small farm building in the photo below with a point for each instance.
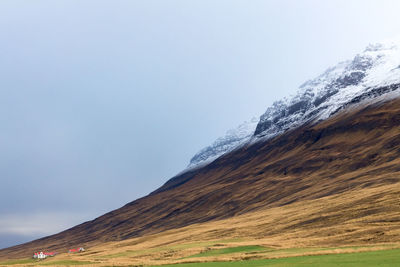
(75, 250)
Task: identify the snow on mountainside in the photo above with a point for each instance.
(317, 99)
(372, 73)
(232, 139)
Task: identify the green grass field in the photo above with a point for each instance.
(33, 262)
(66, 262)
(389, 258)
(222, 251)
(14, 262)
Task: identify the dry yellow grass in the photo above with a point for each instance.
(327, 225)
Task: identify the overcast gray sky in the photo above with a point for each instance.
(101, 102)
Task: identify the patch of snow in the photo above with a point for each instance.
(232, 139)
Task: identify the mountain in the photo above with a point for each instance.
(349, 82)
(336, 142)
(233, 139)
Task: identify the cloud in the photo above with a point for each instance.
(19, 228)
(8, 240)
(39, 224)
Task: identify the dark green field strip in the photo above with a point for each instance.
(222, 251)
(66, 263)
(21, 261)
(384, 258)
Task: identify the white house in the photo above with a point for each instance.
(39, 255)
(43, 255)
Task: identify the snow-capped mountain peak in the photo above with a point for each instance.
(374, 72)
(319, 98)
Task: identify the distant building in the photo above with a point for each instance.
(43, 255)
(39, 255)
(75, 250)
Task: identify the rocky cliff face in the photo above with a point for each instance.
(372, 73)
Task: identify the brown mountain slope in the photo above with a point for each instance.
(350, 152)
(310, 227)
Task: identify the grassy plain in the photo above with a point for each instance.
(382, 258)
(339, 229)
(296, 257)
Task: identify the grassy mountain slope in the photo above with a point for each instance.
(345, 170)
